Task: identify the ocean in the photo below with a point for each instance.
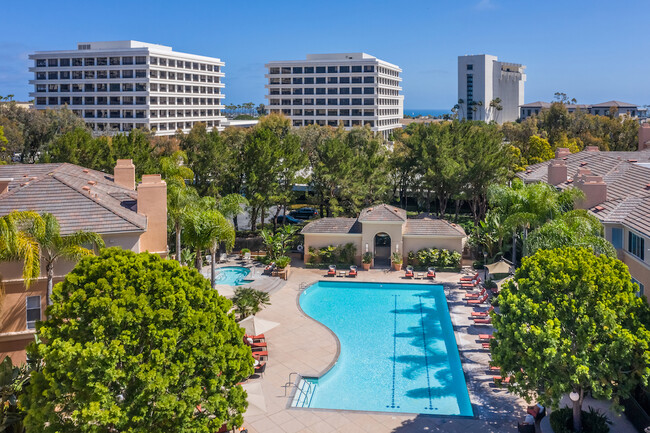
(430, 112)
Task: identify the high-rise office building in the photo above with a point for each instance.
(488, 89)
(352, 89)
(121, 85)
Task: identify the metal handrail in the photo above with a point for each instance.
(304, 393)
(289, 383)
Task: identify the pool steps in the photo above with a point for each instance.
(304, 393)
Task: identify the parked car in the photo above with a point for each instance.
(304, 213)
(288, 220)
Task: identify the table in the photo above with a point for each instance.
(419, 275)
(341, 273)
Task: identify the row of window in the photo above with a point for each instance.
(324, 90)
(142, 114)
(124, 74)
(320, 69)
(123, 100)
(323, 80)
(323, 101)
(166, 126)
(125, 87)
(356, 112)
(123, 61)
(334, 123)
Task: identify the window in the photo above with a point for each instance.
(369, 68)
(617, 238)
(356, 80)
(344, 80)
(77, 61)
(127, 60)
(640, 292)
(40, 63)
(470, 67)
(309, 69)
(368, 79)
(344, 91)
(320, 101)
(127, 73)
(52, 62)
(114, 61)
(33, 307)
(320, 80)
(368, 91)
(356, 68)
(52, 75)
(141, 60)
(89, 61)
(636, 245)
(102, 61)
(332, 80)
(356, 90)
(297, 70)
(320, 91)
(64, 62)
(332, 69)
(332, 91)
(320, 69)
(344, 69)
(308, 80)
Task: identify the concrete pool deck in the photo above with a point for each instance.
(302, 345)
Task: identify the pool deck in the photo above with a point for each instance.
(302, 345)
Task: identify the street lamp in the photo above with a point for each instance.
(485, 266)
(574, 396)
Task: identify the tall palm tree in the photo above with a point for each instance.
(17, 244)
(53, 246)
(479, 106)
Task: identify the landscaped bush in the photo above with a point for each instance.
(432, 257)
(339, 254)
(593, 421)
(282, 262)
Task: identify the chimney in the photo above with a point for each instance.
(152, 202)
(4, 184)
(592, 149)
(594, 187)
(562, 152)
(644, 136)
(557, 172)
(124, 174)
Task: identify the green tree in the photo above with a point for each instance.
(16, 243)
(13, 380)
(248, 301)
(572, 322)
(53, 246)
(168, 357)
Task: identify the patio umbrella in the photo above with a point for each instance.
(500, 267)
(256, 402)
(255, 326)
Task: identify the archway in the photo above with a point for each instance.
(382, 250)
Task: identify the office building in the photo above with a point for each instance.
(482, 81)
(352, 89)
(622, 109)
(121, 85)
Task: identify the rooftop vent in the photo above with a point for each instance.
(85, 170)
(599, 208)
(92, 182)
(583, 163)
(631, 160)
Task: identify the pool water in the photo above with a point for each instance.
(232, 275)
(398, 350)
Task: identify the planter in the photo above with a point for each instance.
(366, 266)
(282, 273)
(397, 266)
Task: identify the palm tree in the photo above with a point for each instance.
(460, 107)
(479, 106)
(495, 104)
(53, 246)
(17, 244)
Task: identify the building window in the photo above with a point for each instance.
(470, 67)
(33, 307)
(636, 245)
(641, 288)
(320, 69)
(617, 238)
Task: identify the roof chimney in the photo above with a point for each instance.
(152, 202)
(4, 184)
(557, 172)
(561, 152)
(124, 174)
(592, 149)
(644, 136)
(594, 187)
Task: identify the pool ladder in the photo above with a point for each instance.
(304, 393)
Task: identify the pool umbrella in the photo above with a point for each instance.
(500, 267)
(256, 402)
(255, 326)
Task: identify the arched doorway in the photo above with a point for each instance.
(382, 250)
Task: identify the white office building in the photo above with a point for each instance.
(121, 85)
(352, 89)
(481, 80)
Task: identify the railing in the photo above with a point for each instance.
(302, 286)
(289, 383)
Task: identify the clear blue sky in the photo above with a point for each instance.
(592, 50)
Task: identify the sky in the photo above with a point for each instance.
(593, 51)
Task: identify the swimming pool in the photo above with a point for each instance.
(398, 350)
(232, 275)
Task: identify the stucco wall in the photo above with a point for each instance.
(638, 270)
(371, 229)
(15, 348)
(323, 240)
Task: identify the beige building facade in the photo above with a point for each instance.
(125, 215)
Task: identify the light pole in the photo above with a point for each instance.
(485, 254)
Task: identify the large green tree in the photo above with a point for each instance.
(140, 344)
(571, 321)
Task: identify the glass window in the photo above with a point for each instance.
(356, 90)
(320, 91)
(617, 236)
(140, 73)
(369, 68)
(102, 61)
(309, 69)
(64, 62)
(33, 307)
(368, 101)
(297, 70)
(127, 60)
(344, 80)
(332, 102)
(636, 245)
(309, 91)
(52, 75)
(344, 91)
(320, 101)
(88, 87)
(297, 81)
(114, 61)
(368, 91)
(368, 79)
(356, 80)
(641, 288)
(332, 80)
(89, 74)
(320, 69)
(344, 69)
(344, 101)
(52, 62)
(53, 100)
(102, 75)
(41, 101)
(114, 74)
(332, 91)
(320, 80)
(77, 61)
(470, 67)
(41, 63)
(141, 60)
(128, 73)
(89, 61)
(332, 69)
(356, 68)
(308, 80)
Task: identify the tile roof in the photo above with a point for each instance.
(382, 212)
(425, 225)
(614, 104)
(627, 179)
(81, 199)
(333, 225)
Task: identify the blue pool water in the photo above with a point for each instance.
(398, 350)
(232, 275)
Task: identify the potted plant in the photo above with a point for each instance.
(397, 259)
(283, 264)
(366, 261)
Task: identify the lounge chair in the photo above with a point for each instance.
(353, 271)
(477, 301)
(255, 349)
(254, 345)
(475, 295)
(260, 353)
(498, 380)
(486, 337)
(261, 368)
(469, 284)
(469, 277)
(269, 268)
(256, 337)
(409, 272)
(485, 313)
(331, 272)
(487, 321)
(485, 345)
(223, 258)
(431, 273)
(247, 256)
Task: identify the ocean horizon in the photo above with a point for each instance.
(426, 112)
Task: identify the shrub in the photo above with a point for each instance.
(248, 301)
(282, 261)
(314, 256)
(244, 251)
(593, 421)
(411, 258)
(340, 254)
(367, 258)
(431, 257)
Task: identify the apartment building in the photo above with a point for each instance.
(622, 109)
(481, 80)
(617, 191)
(125, 215)
(122, 85)
(352, 89)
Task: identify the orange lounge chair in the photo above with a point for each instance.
(258, 349)
(259, 353)
(468, 284)
(499, 380)
(256, 337)
(477, 301)
(485, 313)
(261, 368)
(485, 336)
(255, 345)
(495, 368)
(431, 273)
(469, 277)
(353, 271)
(485, 345)
(487, 321)
(409, 272)
(331, 271)
(475, 295)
